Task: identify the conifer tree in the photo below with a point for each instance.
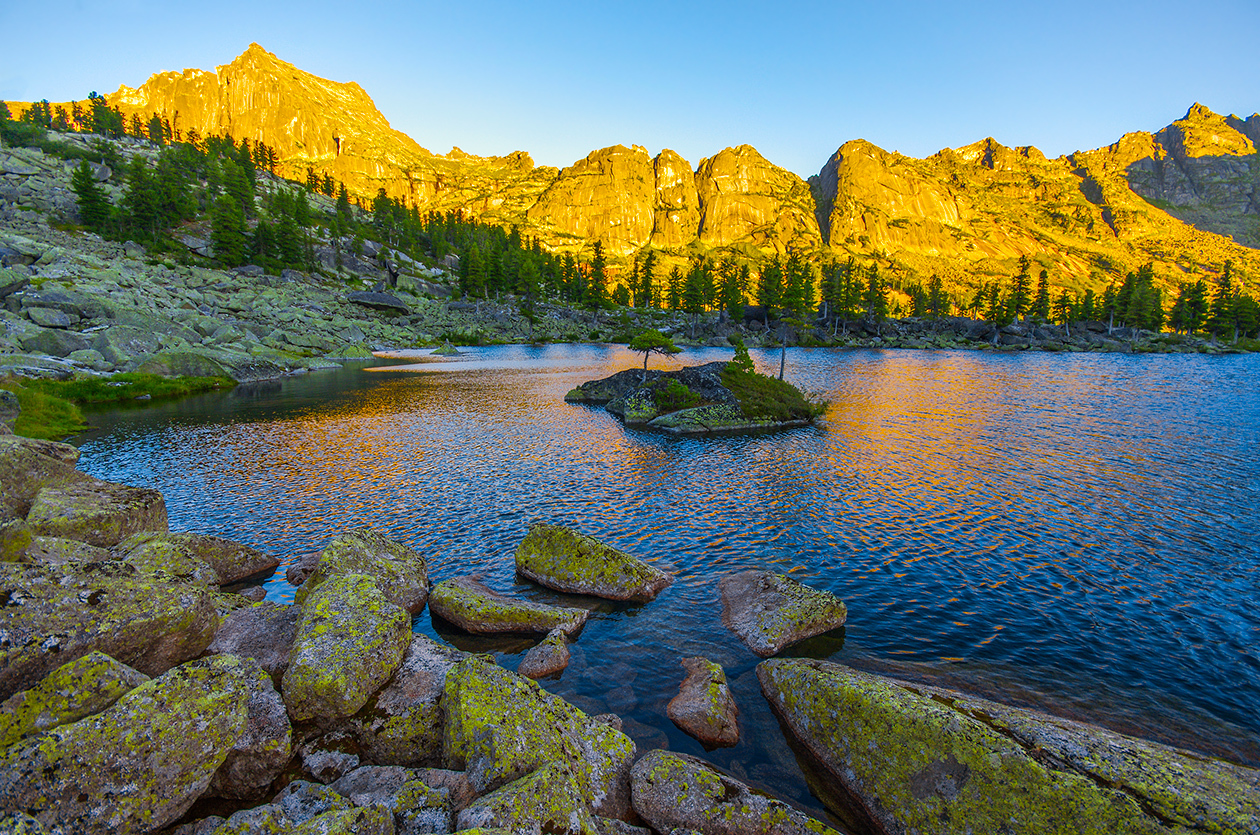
(227, 232)
(94, 208)
(1020, 300)
(1041, 303)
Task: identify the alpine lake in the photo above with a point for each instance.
(1076, 533)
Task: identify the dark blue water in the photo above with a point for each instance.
(1072, 532)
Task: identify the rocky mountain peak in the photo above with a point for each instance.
(1202, 133)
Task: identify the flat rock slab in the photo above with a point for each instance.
(900, 758)
(470, 605)
(568, 561)
(704, 707)
(378, 301)
(97, 512)
(678, 792)
(55, 614)
(400, 572)
(770, 611)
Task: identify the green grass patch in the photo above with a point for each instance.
(768, 398)
(43, 415)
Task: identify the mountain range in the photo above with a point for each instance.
(1185, 198)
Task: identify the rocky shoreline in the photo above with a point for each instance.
(147, 687)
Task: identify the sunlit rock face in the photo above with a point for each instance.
(609, 196)
(746, 199)
(677, 211)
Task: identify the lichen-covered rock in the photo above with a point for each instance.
(162, 557)
(231, 561)
(349, 642)
(85, 686)
(704, 707)
(548, 800)
(400, 572)
(403, 725)
(264, 747)
(717, 418)
(97, 512)
(54, 550)
(676, 791)
(263, 632)
(501, 726)
(565, 560)
(55, 614)
(470, 605)
(15, 539)
(550, 656)
(301, 801)
(138, 765)
(417, 808)
(28, 466)
(770, 611)
(373, 820)
(20, 823)
(896, 757)
(459, 790)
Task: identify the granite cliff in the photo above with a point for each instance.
(1183, 197)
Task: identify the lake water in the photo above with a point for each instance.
(1071, 532)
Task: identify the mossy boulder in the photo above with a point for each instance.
(473, 607)
(501, 726)
(264, 746)
(158, 557)
(231, 561)
(263, 632)
(55, 614)
(349, 641)
(403, 725)
(20, 823)
(53, 550)
(415, 806)
(896, 757)
(770, 611)
(679, 792)
(139, 764)
(565, 560)
(548, 800)
(28, 466)
(97, 512)
(400, 572)
(548, 657)
(69, 693)
(16, 540)
(704, 707)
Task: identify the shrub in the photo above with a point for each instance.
(768, 398)
(674, 396)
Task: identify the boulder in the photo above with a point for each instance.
(349, 642)
(568, 561)
(263, 748)
(55, 614)
(46, 317)
(704, 707)
(69, 693)
(400, 573)
(231, 561)
(65, 453)
(138, 765)
(162, 557)
(264, 632)
(403, 725)
(53, 341)
(501, 726)
(678, 792)
(26, 467)
(550, 656)
(54, 550)
(10, 409)
(896, 757)
(379, 301)
(416, 807)
(722, 417)
(97, 512)
(470, 605)
(770, 611)
(548, 800)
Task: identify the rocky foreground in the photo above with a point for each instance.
(146, 687)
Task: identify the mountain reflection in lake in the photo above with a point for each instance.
(1075, 532)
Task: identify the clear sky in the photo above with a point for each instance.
(559, 79)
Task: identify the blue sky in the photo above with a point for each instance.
(796, 80)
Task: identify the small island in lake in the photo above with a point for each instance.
(700, 400)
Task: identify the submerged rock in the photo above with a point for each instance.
(501, 726)
(548, 657)
(770, 611)
(568, 561)
(470, 605)
(895, 757)
(400, 573)
(349, 642)
(55, 614)
(704, 707)
(69, 693)
(138, 765)
(678, 792)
